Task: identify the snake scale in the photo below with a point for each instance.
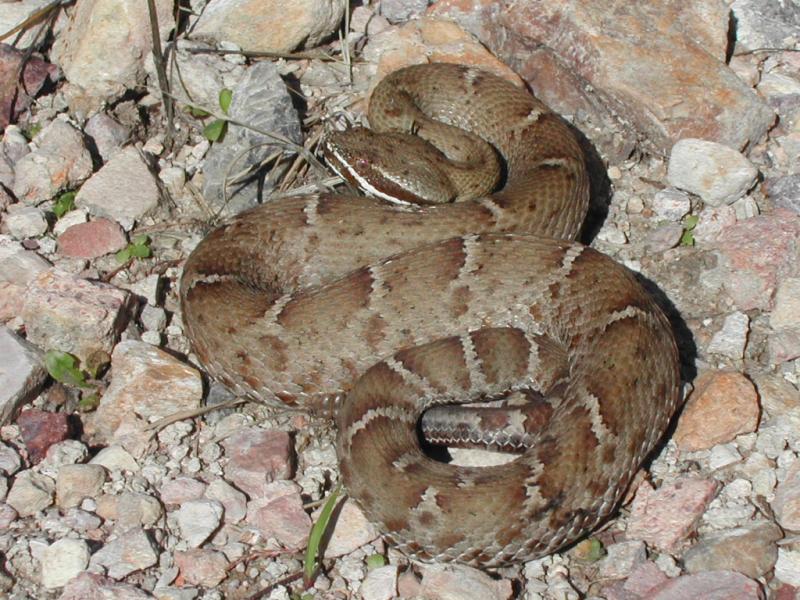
(380, 311)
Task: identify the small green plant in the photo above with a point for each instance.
(215, 130)
(375, 561)
(31, 131)
(65, 368)
(311, 562)
(689, 223)
(138, 248)
(589, 550)
(64, 204)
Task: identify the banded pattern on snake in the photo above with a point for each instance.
(381, 311)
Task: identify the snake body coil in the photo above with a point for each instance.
(386, 311)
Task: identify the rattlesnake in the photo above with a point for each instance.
(378, 311)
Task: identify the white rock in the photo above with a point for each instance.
(132, 551)
(786, 314)
(671, 204)
(731, 339)
(25, 221)
(15, 13)
(787, 569)
(73, 217)
(30, 493)
(718, 174)
(22, 373)
(115, 458)
(380, 584)
(62, 560)
(198, 519)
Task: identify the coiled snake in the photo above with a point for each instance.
(383, 311)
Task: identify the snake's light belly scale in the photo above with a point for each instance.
(383, 311)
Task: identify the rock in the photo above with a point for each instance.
(787, 500)
(787, 567)
(764, 24)
(25, 221)
(621, 558)
(136, 509)
(261, 100)
(750, 550)
(16, 13)
(7, 516)
(90, 585)
(664, 518)
(400, 11)
(154, 318)
(124, 190)
(645, 56)
(10, 462)
(279, 514)
(783, 346)
(234, 501)
(35, 72)
(663, 238)
(81, 521)
(711, 584)
(465, 583)
(756, 254)
(130, 552)
(92, 239)
(40, 430)
(206, 568)
(351, 530)
(147, 383)
(776, 394)
(380, 584)
(723, 405)
(671, 204)
(786, 314)
(784, 191)
(103, 46)
(198, 519)
(731, 339)
(17, 267)
(22, 373)
(60, 161)
(107, 134)
(257, 457)
(116, 458)
(271, 25)
(30, 493)
(716, 173)
(62, 560)
(181, 489)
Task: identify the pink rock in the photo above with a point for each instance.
(7, 515)
(40, 430)
(664, 518)
(92, 239)
(710, 585)
(279, 514)
(34, 75)
(181, 489)
(758, 253)
(256, 457)
(90, 585)
(722, 405)
(202, 567)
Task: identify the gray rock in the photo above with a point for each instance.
(785, 191)
(262, 101)
(234, 501)
(17, 265)
(62, 560)
(137, 510)
(765, 24)
(198, 519)
(116, 458)
(59, 162)
(31, 493)
(380, 584)
(10, 461)
(731, 339)
(22, 373)
(76, 482)
(130, 552)
(15, 13)
(671, 204)
(715, 172)
(400, 11)
(107, 134)
(91, 585)
(787, 568)
(750, 550)
(124, 190)
(25, 221)
(786, 314)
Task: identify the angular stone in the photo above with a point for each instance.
(136, 509)
(749, 550)
(62, 560)
(380, 584)
(765, 24)
(731, 339)
(130, 552)
(664, 518)
(59, 162)
(22, 373)
(103, 46)
(91, 240)
(269, 25)
(74, 315)
(116, 458)
(787, 500)
(279, 514)
(234, 501)
(351, 530)
(723, 405)
(91, 585)
(25, 221)
(256, 457)
(206, 568)
(457, 581)
(198, 519)
(40, 430)
(786, 314)
(124, 190)
(108, 135)
(181, 489)
(146, 383)
(35, 72)
(718, 174)
(30, 493)
(711, 584)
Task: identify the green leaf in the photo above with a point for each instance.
(89, 402)
(689, 223)
(225, 98)
(63, 367)
(197, 113)
(687, 239)
(315, 537)
(123, 255)
(375, 560)
(141, 240)
(215, 130)
(589, 550)
(64, 204)
(140, 251)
